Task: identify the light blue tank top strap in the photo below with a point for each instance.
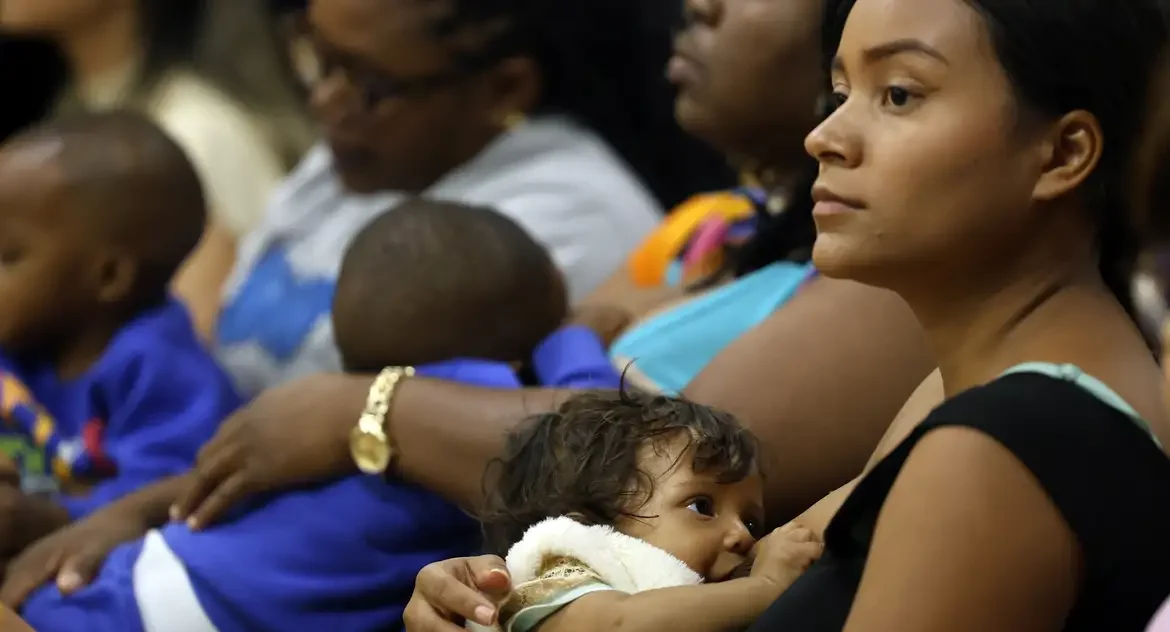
(669, 349)
(1096, 388)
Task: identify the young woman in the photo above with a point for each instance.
(976, 164)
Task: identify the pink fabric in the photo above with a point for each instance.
(708, 238)
(1161, 622)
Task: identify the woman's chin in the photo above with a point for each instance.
(694, 118)
(838, 257)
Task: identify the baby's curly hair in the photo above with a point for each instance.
(582, 460)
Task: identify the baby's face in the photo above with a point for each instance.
(41, 263)
(710, 526)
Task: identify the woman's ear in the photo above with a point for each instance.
(1072, 151)
(514, 87)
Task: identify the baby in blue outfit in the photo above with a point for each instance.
(104, 385)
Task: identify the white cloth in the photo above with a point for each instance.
(237, 163)
(624, 563)
(163, 591)
(617, 561)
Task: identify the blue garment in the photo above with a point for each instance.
(141, 413)
(671, 348)
(574, 357)
(337, 556)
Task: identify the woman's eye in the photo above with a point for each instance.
(896, 97)
(702, 506)
(837, 99)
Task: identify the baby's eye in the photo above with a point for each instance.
(703, 506)
(754, 527)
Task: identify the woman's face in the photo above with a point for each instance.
(398, 106)
(928, 169)
(749, 75)
(53, 16)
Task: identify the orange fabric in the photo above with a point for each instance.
(648, 263)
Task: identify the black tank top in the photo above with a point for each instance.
(1107, 476)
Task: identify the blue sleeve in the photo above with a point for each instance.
(163, 402)
(574, 357)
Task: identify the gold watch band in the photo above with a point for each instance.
(371, 444)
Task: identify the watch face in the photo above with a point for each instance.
(370, 453)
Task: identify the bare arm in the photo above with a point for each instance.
(818, 383)
(199, 283)
(967, 541)
(619, 291)
(802, 374)
(730, 605)
(447, 433)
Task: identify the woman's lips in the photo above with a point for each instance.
(682, 70)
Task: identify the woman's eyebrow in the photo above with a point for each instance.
(880, 52)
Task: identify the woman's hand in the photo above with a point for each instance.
(783, 555)
(450, 592)
(606, 321)
(290, 434)
(71, 555)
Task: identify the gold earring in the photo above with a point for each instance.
(514, 120)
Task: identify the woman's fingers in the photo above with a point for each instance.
(237, 487)
(444, 586)
(78, 569)
(27, 573)
(421, 617)
(216, 463)
(491, 576)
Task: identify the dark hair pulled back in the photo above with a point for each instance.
(1066, 55)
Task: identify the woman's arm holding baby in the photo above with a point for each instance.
(730, 605)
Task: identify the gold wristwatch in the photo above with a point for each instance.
(369, 442)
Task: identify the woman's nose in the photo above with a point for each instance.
(331, 99)
(702, 11)
(831, 144)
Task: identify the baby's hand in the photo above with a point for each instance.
(781, 556)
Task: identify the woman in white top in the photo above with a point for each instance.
(209, 72)
(556, 114)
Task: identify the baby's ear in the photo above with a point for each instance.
(115, 276)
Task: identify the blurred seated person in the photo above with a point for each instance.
(104, 385)
(539, 111)
(210, 73)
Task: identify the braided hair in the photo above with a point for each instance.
(601, 62)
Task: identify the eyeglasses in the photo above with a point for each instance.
(313, 62)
